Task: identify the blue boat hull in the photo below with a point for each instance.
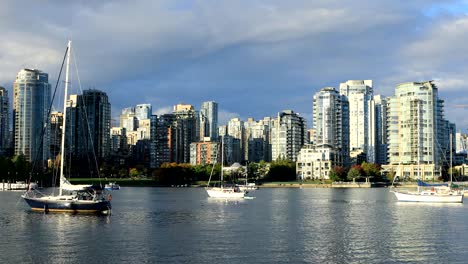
(67, 206)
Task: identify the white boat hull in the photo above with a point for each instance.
(428, 198)
(224, 193)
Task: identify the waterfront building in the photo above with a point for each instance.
(202, 153)
(185, 132)
(235, 129)
(89, 118)
(288, 135)
(257, 138)
(30, 114)
(417, 133)
(361, 115)
(331, 121)
(380, 140)
(118, 139)
(208, 121)
(316, 162)
(164, 139)
(56, 122)
(232, 150)
(4, 122)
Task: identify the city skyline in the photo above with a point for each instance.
(253, 59)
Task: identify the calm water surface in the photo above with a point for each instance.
(181, 225)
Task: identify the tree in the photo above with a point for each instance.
(134, 172)
(282, 170)
(354, 172)
(371, 170)
(338, 173)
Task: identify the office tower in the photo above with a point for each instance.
(30, 114)
(331, 122)
(380, 131)
(128, 119)
(235, 129)
(288, 135)
(56, 123)
(361, 115)
(165, 140)
(185, 132)
(257, 137)
(4, 121)
(89, 117)
(416, 131)
(118, 140)
(208, 120)
(143, 111)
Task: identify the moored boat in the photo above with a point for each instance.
(222, 191)
(112, 186)
(71, 198)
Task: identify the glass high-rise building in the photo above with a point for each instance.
(90, 119)
(361, 115)
(4, 121)
(288, 136)
(143, 111)
(30, 114)
(208, 120)
(331, 121)
(416, 131)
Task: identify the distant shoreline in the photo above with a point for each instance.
(129, 182)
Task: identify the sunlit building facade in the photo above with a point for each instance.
(30, 114)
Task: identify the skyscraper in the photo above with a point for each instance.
(185, 132)
(143, 111)
(380, 140)
(4, 121)
(235, 129)
(288, 135)
(208, 120)
(331, 121)
(416, 131)
(30, 114)
(90, 119)
(361, 115)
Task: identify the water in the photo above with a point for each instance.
(289, 225)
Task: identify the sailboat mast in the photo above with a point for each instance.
(64, 122)
(222, 158)
(451, 169)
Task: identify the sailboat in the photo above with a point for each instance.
(432, 193)
(223, 192)
(75, 199)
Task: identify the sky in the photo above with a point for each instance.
(255, 58)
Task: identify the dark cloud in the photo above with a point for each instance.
(254, 58)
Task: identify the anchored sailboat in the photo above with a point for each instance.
(71, 198)
(432, 193)
(224, 192)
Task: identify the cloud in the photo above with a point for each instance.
(255, 58)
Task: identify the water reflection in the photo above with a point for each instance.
(181, 225)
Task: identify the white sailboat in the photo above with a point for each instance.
(223, 192)
(71, 198)
(432, 193)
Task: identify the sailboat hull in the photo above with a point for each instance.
(428, 198)
(225, 193)
(48, 204)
